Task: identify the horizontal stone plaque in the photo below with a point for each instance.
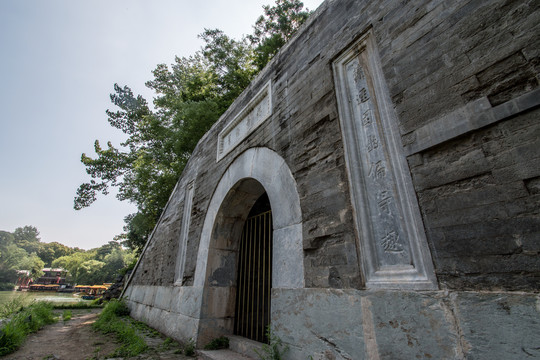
(248, 119)
(392, 244)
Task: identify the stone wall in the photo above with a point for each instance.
(479, 195)
(438, 58)
(406, 324)
(462, 79)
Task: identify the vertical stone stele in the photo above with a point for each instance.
(392, 243)
(186, 219)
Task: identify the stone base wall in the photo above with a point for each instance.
(352, 324)
(355, 324)
(174, 311)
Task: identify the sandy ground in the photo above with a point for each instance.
(75, 339)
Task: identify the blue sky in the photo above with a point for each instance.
(59, 60)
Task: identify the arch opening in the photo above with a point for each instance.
(255, 172)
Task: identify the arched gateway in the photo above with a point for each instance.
(256, 174)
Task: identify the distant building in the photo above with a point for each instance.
(53, 276)
(23, 279)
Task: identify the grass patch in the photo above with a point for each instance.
(66, 315)
(218, 343)
(23, 322)
(189, 348)
(170, 344)
(79, 305)
(142, 327)
(114, 320)
(13, 306)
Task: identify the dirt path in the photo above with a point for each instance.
(73, 339)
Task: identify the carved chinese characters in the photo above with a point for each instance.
(378, 178)
(392, 246)
(258, 110)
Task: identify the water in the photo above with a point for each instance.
(54, 297)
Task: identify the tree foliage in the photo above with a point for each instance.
(93, 266)
(191, 95)
(273, 29)
(27, 238)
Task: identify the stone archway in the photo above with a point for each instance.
(254, 172)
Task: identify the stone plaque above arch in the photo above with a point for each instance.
(248, 119)
(270, 170)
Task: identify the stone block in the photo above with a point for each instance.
(149, 295)
(138, 293)
(321, 320)
(219, 302)
(185, 300)
(163, 297)
(499, 325)
(413, 325)
(288, 271)
(210, 329)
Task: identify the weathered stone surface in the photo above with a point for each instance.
(477, 209)
(414, 325)
(327, 322)
(502, 326)
(406, 325)
(461, 79)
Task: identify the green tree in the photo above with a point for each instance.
(191, 95)
(33, 263)
(104, 250)
(48, 252)
(90, 272)
(72, 263)
(27, 238)
(273, 29)
(6, 238)
(10, 258)
(114, 262)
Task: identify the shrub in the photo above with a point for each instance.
(113, 320)
(118, 307)
(218, 343)
(66, 315)
(25, 321)
(13, 306)
(189, 348)
(273, 350)
(6, 286)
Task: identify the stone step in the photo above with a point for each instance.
(239, 348)
(245, 346)
(225, 354)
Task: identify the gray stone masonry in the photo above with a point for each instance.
(436, 56)
(462, 83)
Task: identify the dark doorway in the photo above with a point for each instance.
(252, 315)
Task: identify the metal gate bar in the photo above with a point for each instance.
(254, 279)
